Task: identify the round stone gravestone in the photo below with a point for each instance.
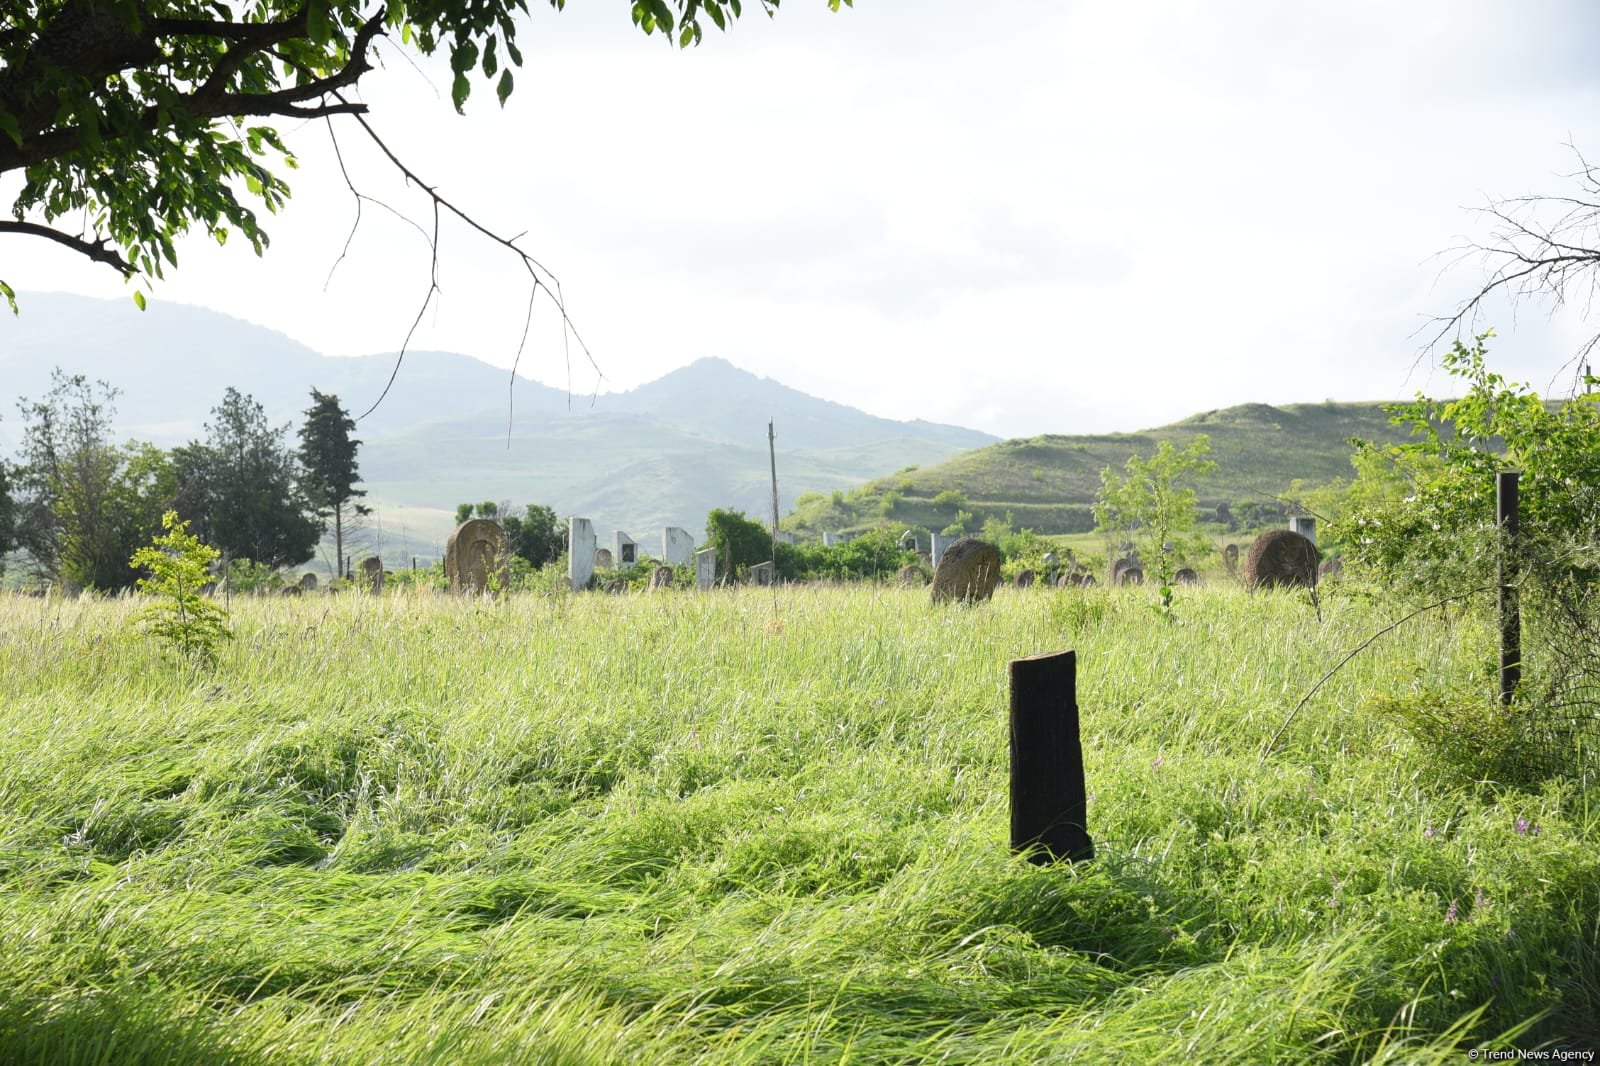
(476, 549)
(1025, 579)
(968, 571)
(1281, 558)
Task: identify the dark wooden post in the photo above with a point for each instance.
(1505, 498)
(1048, 801)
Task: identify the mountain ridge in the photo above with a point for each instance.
(440, 436)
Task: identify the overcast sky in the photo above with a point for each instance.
(1017, 215)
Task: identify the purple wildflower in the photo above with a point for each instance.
(1428, 833)
(1479, 900)
(1450, 915)
(1522, 826)
(1157, 764)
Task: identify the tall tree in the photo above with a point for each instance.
(329, 471)
(240, 487)
(8, 512)
(536, 535)
(86, 503)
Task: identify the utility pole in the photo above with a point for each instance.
(772, 453)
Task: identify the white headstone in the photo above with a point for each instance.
(830, 539)
(761, 574)
(705, 567)
(677, 546)
(627, 552)
(940, 543)
(785, 537)
(1305, 525)
(580, 551)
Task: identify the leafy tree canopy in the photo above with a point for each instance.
(240, 486)
(148, 118)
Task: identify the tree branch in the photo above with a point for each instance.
(209, 102)
(1526, 256)
(540, 276)
(95, 250)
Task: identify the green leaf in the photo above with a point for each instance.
(319, 25)
(459, 91)
(253, 183)
(8, 126)
(11, 296)
(138, 298)
(491, 63)
(663, 14)
(685, 35)
(503, 90)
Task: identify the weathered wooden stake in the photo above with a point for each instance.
(1048, 801)
(1505, 496)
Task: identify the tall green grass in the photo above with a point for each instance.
(761, 827)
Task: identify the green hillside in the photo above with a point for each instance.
(1048, 483)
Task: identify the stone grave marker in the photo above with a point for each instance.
(1186, 576)
(940, 544)
(911, 576)
(1230, 558)
(580, 552)
(705, 568)
(308, 583)
(1025, 579)
(1132, 574)
(661, 578)
(1306, 526)
(372, 574)
(677, 546)
(761, 574)
(1281, 558)
(603, 559)
(627, 551)
(968, 571)
(476, 549)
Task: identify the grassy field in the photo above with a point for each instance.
(758, 827)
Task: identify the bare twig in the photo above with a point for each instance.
(541, 277)
(1527, 257)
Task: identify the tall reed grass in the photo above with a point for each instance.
(759, 827)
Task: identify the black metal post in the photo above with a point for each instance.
(1505, 486)
(1048, 799)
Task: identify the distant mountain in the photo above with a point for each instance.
(662, 454)
(1048, 483)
